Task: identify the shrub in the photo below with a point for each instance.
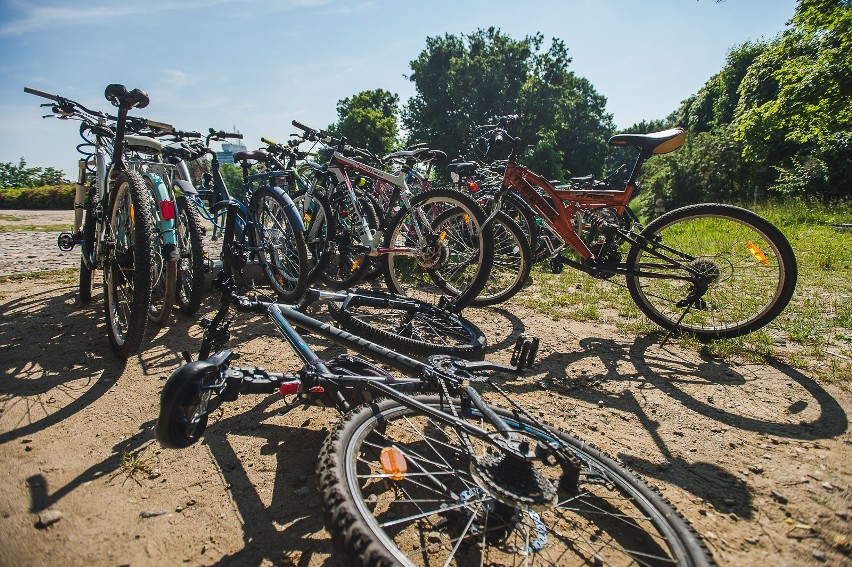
(46, 197)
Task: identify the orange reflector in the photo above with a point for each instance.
(393, 463)
(467, 218)
(473, 187)
(355, 264)
(443, 235)
(132, 214)
(757, 253)
(307, 217)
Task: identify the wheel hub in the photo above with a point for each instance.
(708, 270)
(433, 255)
(514, 482)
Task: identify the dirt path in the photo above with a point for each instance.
(757, 457)
(30, 251)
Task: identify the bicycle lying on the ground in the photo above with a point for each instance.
(423, 469)
(714, 270)
(113, 216)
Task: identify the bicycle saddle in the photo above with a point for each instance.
(257, 155)
(655, 142)
(462, 168)
(120, 97)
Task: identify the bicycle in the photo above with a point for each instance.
(421, 257)
(269, 227)
(713, 270)
(112, 221)
(446, 478)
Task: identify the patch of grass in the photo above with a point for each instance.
(65, 274)
(10, 218)
(133, 464)
(35, 228)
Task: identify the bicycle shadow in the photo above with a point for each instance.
(73, 368)
(709, 387)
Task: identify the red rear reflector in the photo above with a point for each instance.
(167, 209)
(290, 388)
(472, 186)
(317, 390)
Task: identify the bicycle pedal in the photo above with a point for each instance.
(526, 349)
(67, 241)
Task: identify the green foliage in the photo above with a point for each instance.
(467, 80)
(20, 175)
(47, 197)
(233, 176)
(369, 120)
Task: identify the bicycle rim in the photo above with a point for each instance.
(284, 247)
(438, 512)
(748, 263)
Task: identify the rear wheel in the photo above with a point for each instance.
(400, 487)
(512, 263)
(348, 258)
(286, 256)
(320, 230)
(190, 276)
(734, 271)
(127, 267)
(406, 324)
(87, 246)
(453, 259)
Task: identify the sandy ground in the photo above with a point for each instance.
(756, 456)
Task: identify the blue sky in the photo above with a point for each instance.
(258, 64)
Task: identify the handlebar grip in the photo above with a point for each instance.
(32, 91)
(268, 142)
(162, 126)
(232, 135)
(301, 126)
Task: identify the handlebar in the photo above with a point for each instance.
(32, 91)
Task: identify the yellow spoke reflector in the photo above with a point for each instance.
(307, 217)
(355, 264)
(443, 235)
(757, 253)
(393, 463)
(132, 213)
(466, 218)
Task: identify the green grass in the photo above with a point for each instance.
(66, 275)
(817, 320)
(34, 227)
(10, 218)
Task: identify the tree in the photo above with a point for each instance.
(20, 175)
(468, 80)
(370, 120)
(795, 104)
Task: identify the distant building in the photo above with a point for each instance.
(228, 151)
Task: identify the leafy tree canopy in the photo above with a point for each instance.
(370, 120)
(20, 175)
(467, 80)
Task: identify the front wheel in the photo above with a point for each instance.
(127, 267)
(438, 248)
(190, 276)
(284, 250)
(400, 487)
(726, 271)
(409, 325)
(512, 263)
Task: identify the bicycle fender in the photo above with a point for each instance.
(290, 209)
(160, 194)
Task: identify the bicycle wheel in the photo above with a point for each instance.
(185, 405)
(286, 256)
(401, 488)
(320, 230)
(512, 263)
(407, 324)
(190, 276)
(86, 246)
(451, 260)
(127, 266)
(163, 283)
(738, 271)
(348, 259)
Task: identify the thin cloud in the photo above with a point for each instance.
(38, 18)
